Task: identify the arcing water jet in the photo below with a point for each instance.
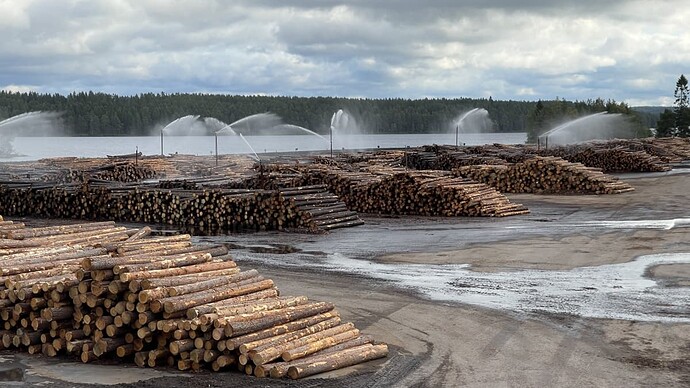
(339, 121)
(474, 120)
(180, 126)
(602, 125)
(30, 123)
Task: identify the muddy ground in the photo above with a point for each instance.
(436, 343)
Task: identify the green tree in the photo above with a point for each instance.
(682, 107)
(666, 125)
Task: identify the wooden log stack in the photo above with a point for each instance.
(446, 159)
(96, 291)
(381, 190)
(654, 154)
(319, 209)
(545, 175)
(616, 159)
(82, 169)
(616, 155)
(201, 211)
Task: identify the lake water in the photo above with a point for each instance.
(34, 148)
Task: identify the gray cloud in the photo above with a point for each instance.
(624, 49)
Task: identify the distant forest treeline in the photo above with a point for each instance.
(99, 114)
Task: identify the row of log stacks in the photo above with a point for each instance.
(545, 175)
(447, 160)
(119, 172)
(72, 169)
(98, 291)
(128, 169)
(201, 210)
(381, 190)
(617, 155)
(609, 159)
(677, 147)
(668, 150)
(206, 211)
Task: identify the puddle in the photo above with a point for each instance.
(615, 291)
(79, 373)
(280, 249)
(13, 374)
(628, 224)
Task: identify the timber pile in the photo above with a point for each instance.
(545, 175)
(72, 169)
(357, 160)
(200, 210)
(97, 291)
(615, 159)
(311, 208)
(206, 211)
(321, 207)
(381, 190)
(678, 147)
(447, 160)
(617, 155)
(118, 172)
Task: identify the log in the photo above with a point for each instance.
(267, 354)
(313, 347)
(280, 369)
(339, 360)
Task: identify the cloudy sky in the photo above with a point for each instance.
(628, 50)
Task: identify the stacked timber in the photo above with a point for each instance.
(203, 211)
(98, 291)
(72, 169)
(617, 155)
(447, 160)
(667, 150)
(545, 175)
(380, 190)
(615, 159)
(678, 147)
(322, 208)
(119, 172)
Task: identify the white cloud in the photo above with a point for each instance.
(18, 88)
(13, 15)
(625, 49)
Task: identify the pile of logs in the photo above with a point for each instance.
(381, 190)
(321, 207)
(618, 155)
(98, 291)
(545, 175)
(118, 172)
(447, 160)
(616, 159)
(204, 211)
(72, 169)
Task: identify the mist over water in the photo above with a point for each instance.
(598, 126)
(344, 130)
(257, 124)
(189, 125)
(36, 123)
(476, 120)
(30, 148)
